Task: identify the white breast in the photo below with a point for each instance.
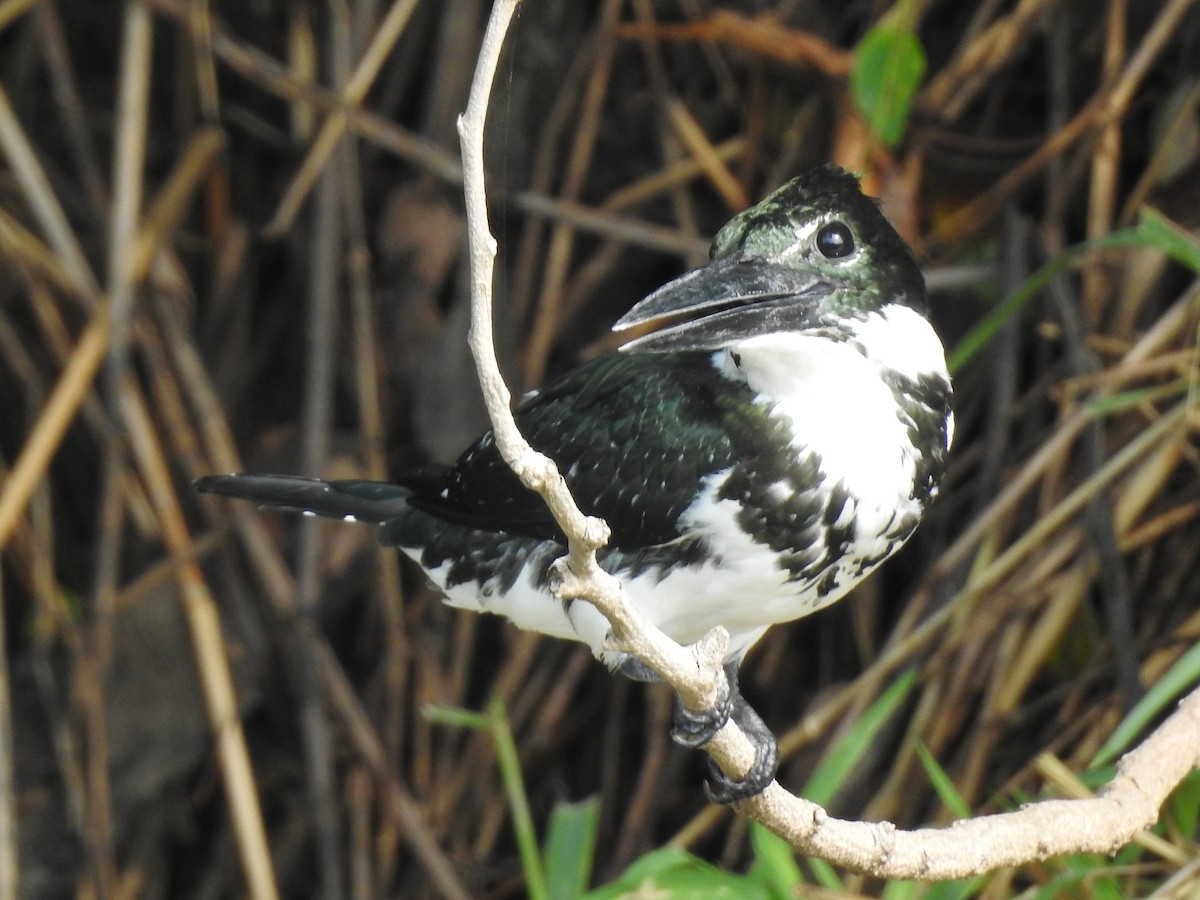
(840, 406)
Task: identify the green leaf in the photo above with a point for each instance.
(1160, 232)
(981, 335)
(673, 874)
(1185, 803)
(454, 717)
(889, 64)
(570, 847)
(775, 863)
(902, 890)
(1165, 692)
(842, 758)
(941, 782)
(656, 864)
(1085, 875)
(1152, 230)
(825, 875)
(495, 722)
(1116, 403)
(942, 890)
(518, 800)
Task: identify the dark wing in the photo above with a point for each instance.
(633, 434)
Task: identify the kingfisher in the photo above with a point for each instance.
(777, 437)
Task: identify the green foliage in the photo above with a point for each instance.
(678, 875)
(1184, 805)
(889, 64)
(1163, 694)
(825, 875)
(941, 890)
(774, 862)
(1084, 875)
(775, 872)
(570, 847)
(941, 782)
(1120, 402)
(1152, 230)
(843, 757)
(673, 874)
(562, 869)
(495, 722)
(1156, 230)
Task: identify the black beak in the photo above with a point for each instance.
(726, 300)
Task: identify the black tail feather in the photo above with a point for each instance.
(363, 501)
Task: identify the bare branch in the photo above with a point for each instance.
(1104, 824)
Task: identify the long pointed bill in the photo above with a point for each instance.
(723, 301)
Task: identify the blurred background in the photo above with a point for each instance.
(231, 238)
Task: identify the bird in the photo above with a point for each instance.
(775, 437)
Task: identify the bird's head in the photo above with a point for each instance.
(813, 254)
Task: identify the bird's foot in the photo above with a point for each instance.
(636, 670)
(695, 729)
(720, 788)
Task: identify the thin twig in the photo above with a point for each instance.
(57, 415)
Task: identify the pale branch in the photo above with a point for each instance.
(1103, 824)
(1129, 804)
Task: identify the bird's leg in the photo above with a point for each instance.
(720, 788)
(690, 729)
(694, 730)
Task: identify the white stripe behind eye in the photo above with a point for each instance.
(803, 232)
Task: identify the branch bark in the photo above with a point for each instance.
(1129, 804)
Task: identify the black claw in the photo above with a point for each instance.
(694, 730)
(697, 729)
(720, 788)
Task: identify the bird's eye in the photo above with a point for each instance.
(835, 240)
